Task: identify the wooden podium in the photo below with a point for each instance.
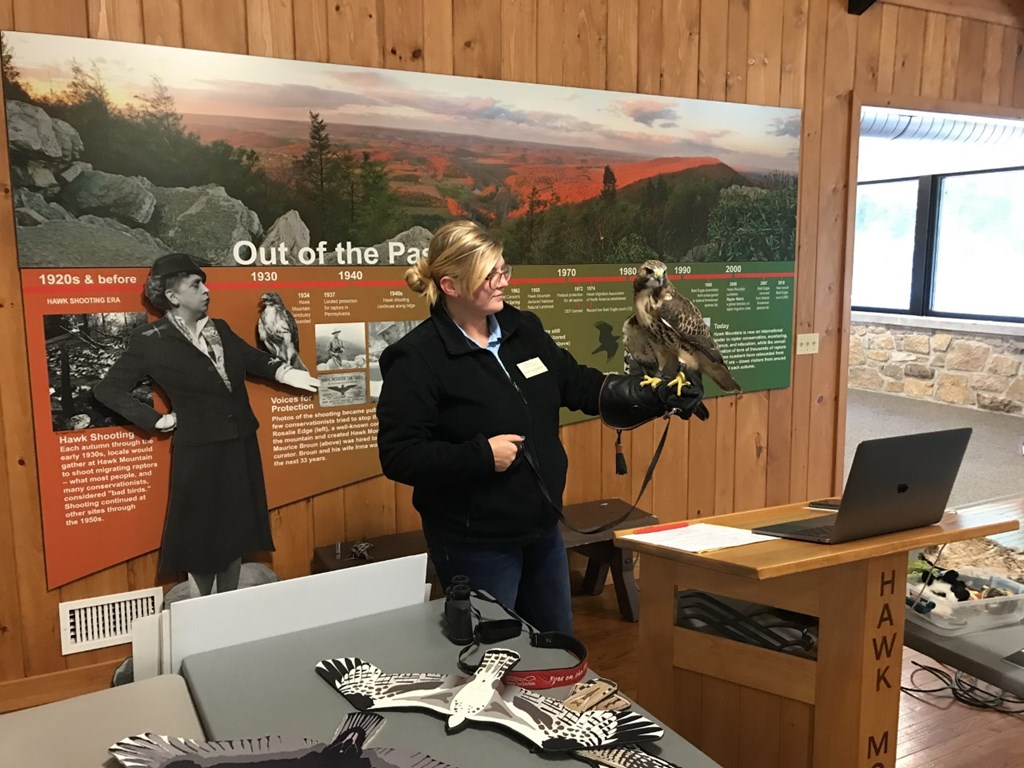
(744, 705)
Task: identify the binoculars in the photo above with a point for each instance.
(458, 613)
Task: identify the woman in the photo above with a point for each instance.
(217, 510)
(468, 415)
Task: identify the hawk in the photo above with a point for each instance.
(666, 334)
(278, 331)
(342, 389)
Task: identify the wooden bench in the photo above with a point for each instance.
(599, 549)
(333, 557)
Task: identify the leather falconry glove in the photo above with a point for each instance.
(626, 402)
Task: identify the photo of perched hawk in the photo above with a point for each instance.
(484, 699)
(278, 332)
(666, 334)
(607, 341)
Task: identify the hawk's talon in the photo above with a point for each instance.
(679, 382)
(650, 381)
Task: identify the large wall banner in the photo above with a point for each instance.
(304, 190)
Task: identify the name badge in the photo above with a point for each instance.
(532, 367)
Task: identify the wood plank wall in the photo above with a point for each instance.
(760, 448)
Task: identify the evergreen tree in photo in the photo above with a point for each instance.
(378, 215)
(160, 110)
(608, 185)
(344, 198)
(687, 212)
(87, 87)
(654, 223)
(85, 104)
(523, 234)
(317, 170)
(326, 184)
(13, 87)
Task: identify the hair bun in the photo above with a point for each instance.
(415, 280)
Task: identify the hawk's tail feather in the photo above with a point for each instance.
(356, 732)
(721, 376)
(369, 723)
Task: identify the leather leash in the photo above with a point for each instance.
(612, 524)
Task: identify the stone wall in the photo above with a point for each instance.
(973, 370)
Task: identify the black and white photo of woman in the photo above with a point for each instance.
(217, 508)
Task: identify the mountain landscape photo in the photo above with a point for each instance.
(119, 151)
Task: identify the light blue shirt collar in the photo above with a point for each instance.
(494, 331)
(493, 339)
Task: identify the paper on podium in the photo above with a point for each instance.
(699, 537)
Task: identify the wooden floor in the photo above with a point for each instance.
(935, 730)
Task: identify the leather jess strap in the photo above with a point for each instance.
(611, 524)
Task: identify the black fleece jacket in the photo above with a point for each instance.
(441, 400)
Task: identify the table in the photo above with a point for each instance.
(746, 705)
(600, 550)
(270, 687)
(75, 732)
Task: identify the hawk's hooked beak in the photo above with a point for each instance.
(659, 273)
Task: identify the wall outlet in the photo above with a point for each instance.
(807, 343)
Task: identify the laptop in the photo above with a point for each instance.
(895, 483)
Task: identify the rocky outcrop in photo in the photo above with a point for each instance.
(413, 240)
(68, 214)
(289, 230)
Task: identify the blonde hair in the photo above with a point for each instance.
(461, 250)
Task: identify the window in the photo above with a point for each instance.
(979, 248)
(946, 245)
(884, 244)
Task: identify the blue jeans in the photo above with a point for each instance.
(532, 578)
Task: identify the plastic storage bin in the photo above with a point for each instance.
(961, 618)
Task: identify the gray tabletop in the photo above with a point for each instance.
(982, 654)
(76, 732)
(270, 687)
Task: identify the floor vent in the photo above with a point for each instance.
(98, 622)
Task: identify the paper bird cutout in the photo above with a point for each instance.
(347, 750)
(483, 698)
(603, 694)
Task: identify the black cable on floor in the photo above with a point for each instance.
(964, 689)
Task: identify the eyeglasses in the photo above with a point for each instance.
(492, 279)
